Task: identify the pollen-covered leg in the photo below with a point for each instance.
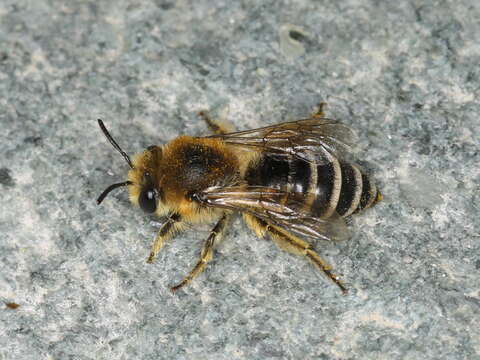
(207, 251)
(168, 229)
(257, 225)
(320, 112)
(216, 126)
(294, 245)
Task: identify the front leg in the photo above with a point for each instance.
(207, 251)
(168, 229)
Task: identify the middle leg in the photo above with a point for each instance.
(218, 127)
(207, 251)
(320, 111)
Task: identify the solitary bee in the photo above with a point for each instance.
(290, 181)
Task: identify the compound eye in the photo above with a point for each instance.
(148, 200)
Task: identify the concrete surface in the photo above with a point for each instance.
(403, 74)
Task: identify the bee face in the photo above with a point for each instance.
(147, 200)
(145, 191)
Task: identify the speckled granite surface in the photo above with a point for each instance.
(404, 74)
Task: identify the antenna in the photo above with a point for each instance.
(114, 143)
(110, 188)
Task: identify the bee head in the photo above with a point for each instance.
(141, 176)
(146, 192)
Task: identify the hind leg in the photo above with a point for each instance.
(294, 245)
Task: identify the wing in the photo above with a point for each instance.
(266, 204)
(320, 137)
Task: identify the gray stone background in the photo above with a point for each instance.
(405, 75)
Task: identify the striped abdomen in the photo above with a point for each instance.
(322, 189)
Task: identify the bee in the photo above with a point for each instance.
(291, 181)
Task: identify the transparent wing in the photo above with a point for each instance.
(320, 137)
(269, 205)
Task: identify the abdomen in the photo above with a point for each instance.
(320, 189)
